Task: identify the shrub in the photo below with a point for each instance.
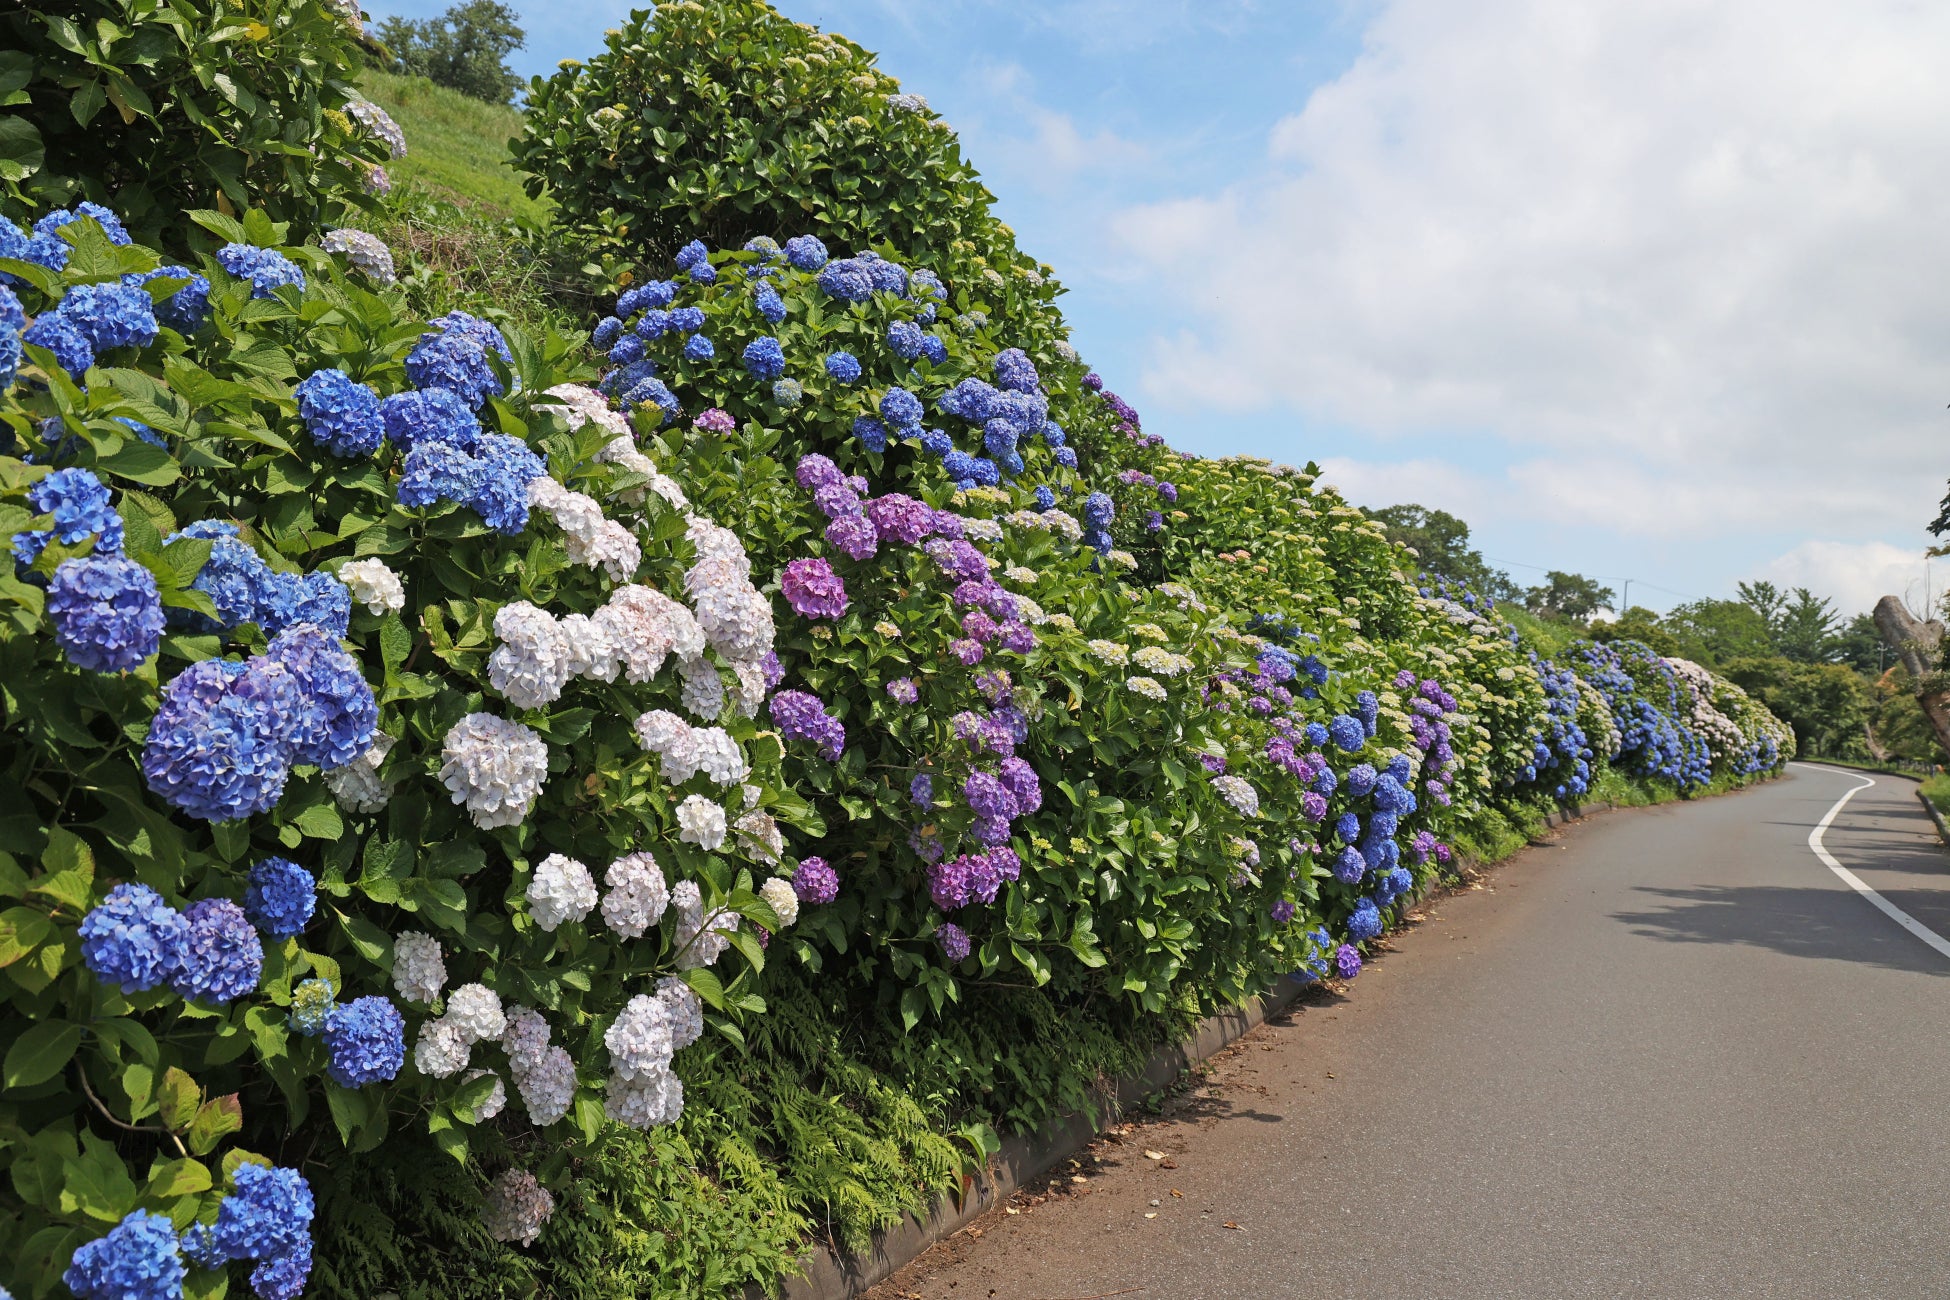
(155, 109)
(465, 49)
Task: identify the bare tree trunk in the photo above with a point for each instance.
(1876, 751)
(1917, 644)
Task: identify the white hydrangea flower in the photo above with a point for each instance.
(647, 627)
(1185, 596)
(373, 585)
(611, 548)
(982, 530)
(516, 1207)
(1023, 519)
(1109, 651)
(495, 1102)
(759, 836)
(735, 618)
(783, 898)
(474, 1010)
(701, 822)
(751, 690)
(685, 1009)
(719, 757)
(703, 692)
(1148, 687)
(624, 454)
(548, 1087)
(1030, 612)
(653, 1098)
(637, 895)
(1064, 523)
(592, 654)
(1157, 659)
(639, 1039)
(495, 767)
(1238, 792)
(1017, 573)
(357, 786)
(1123, 559)
(701, 940)
(525, 1038)
(560, 890)
(419, 968)
(441, 1051)
(1061, 622)
(533, 662)
(366, 252)
(580, 405)
(668, 736)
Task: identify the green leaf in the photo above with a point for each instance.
(22, 929)
(21, 149)
(173, 1178)
(177, 1098)
(96, 1183)
(215, 1119)
(705, 985)
(140, 462)
(321, 821)
(40, 1053)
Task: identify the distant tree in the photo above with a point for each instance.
(1567, 595)
(1806, 628)
(1441, 545)
(1766, 600)
(1638, 624)
(466, 48)
(1713, 632)
(1861, 647)
(1826, 704)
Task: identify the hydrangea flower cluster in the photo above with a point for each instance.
(495, 767)
(516, 1207)
(801, 716)
(247, 590)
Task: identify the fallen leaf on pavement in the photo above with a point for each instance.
(1235, 1227)
(1154, 1155)
(1176, 1192)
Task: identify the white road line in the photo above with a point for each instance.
(1849, 878)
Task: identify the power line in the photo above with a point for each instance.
(1602, 577)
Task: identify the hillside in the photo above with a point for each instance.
(457, 146)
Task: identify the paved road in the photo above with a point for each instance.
(1671, 1055)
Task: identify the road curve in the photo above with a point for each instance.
(1673, 1054)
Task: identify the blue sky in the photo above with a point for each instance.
(1640, 288)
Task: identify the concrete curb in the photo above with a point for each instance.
(1929, 806)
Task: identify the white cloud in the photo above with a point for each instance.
(1038, 146)
(1683, 262)
(1856, 576)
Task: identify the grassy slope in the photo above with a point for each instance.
(456, 146)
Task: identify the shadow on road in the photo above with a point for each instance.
(1798, 921)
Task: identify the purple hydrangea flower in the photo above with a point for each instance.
(715, 420)
(221, 957)
(1347, 961)
(954, 941)
(854, 535)
(903, 690)
(815, 882)
(800, 715)
(813, 589)
(987, 796)
(901, 517)
(1282, 912)
(921, 789)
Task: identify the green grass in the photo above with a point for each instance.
(456, 146)
(1548, 636)
(1938, 789)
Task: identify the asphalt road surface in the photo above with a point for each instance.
(1672, 1054)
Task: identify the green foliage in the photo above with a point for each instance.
(466, 49)
(1568, 596)
(722, 121)
(1826, 704)
(457, 150)
(1441, 545)
(157, 108)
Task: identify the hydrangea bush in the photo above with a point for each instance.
(392, 745)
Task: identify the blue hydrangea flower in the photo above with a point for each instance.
(340, 714)
(107, 613)
(110, 315)
(199, 1245)
(933, 350)
(340, 414)
(871, 433)
(653, 324)
(290, 599)
(921, 789)
(81, 507)
(1349, 866)
(12, 321)
(1348, 827)
(985, 471)
(970, 399)
(267, 269)
(284, 1276)
(936, 443)
(764, 358)
(280, 897)
(1360, 779)
(436, 472)
(1045, 498)
(1016, 372)
(1316, 734)
(185, 310)
(904, 339)
(1347, 732)
(1098, 510)
(110, 223)
(687, 320)
(651, 391)
(1365, 923)
(430, 414)
(221, 957)
(887, 277)
(606, 332)
(61, 336)
(958, 464)
(133, 939)
(848, 279)
(500, 495)
(1368, 709)
(901, 409)
(924, 285)
(999, 437)
(1053, 434)
(1066, 457)
(699, 348)
(217, 747)
(625, 350)
(457, 358)
(768, 302)
(267, 1215)
(805, 252)
(366, 1040)
(137, 1260)
(843, 366)
(692, 255)
(311, 1007)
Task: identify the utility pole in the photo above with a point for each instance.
(1625, 601)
